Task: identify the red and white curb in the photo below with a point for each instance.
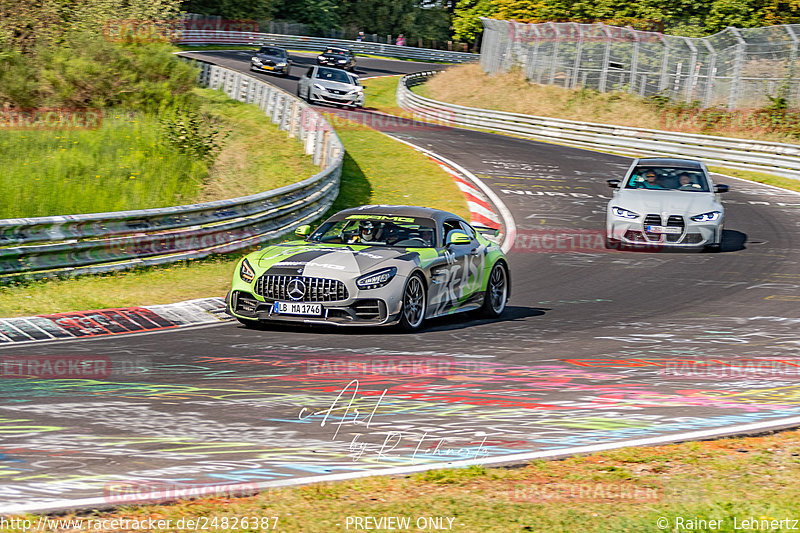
(480, 208)
(118, 321)
(486, 208)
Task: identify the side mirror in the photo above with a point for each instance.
(303, 231)
(721, 188)
(458, 237)
(614, 184)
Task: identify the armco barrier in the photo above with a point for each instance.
(91, 243)
(776, 158)
(299, 42)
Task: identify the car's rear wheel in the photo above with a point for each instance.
(412, 315)
(494, 301)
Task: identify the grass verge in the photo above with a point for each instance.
(128, 164)
(377, 170)
(625, 490)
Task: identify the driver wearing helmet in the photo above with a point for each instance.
(368, 232)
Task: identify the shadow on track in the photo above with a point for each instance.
(447, 323)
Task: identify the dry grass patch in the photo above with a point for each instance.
(468, 85)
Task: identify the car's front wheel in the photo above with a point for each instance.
(494, 301)
(412, 315)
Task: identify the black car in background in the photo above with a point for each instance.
(337, 57)
(271, 59)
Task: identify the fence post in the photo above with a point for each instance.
(664, 81)
(736, 78)
(606, 57)
(576, 65)
(793, 52)
(692, 79)
(554, 60)
(712, 72)
(634, 58)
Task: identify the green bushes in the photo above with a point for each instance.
(87, 71)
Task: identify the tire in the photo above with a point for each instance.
(494, 301)
(415, 299)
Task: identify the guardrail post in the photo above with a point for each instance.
(285, 112)
(294, 123)
(325, 148)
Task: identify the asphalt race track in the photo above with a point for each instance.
(597, 349)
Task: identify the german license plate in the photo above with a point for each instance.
(265, 67)
(297, 308)
(664, 229)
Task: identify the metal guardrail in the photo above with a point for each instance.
(100, 242)
(777, 158)
(299, 42)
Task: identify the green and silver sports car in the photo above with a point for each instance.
(374, 265)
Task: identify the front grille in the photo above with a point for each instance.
(316, 289)
(335, 91)
(675, 221)
(652, 220)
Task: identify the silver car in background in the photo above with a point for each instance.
(331, 86)
(665, 203)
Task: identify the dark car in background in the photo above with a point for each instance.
(337, 57)
(271, 59)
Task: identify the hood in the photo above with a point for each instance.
(304, 259)
(268, 57)
(339, 86)
(670, 202)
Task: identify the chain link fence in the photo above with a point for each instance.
(735, 68)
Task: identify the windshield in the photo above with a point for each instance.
(377, 230)
(329, 74)
(668, 178)
(266, 50)
(337, 51)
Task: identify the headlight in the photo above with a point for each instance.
(320, 57)
(376, 279)
(281, 64)
(342, 61)
(707, 217)
(246, 272)
(255, 60)
(320, 87)
(623, 213)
